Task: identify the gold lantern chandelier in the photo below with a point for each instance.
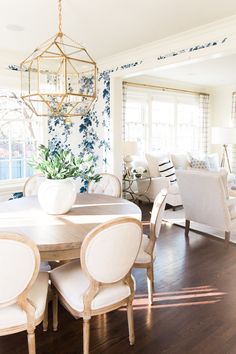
(59, 78)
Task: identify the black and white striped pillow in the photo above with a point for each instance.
(167, 170)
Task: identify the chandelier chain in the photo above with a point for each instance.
(59, 16)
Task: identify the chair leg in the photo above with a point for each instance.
(55, 311)
(45, 318)
(31, 342)
(227, 238)
(187, 226)
(130, 317)
(86, 335)
(150, 284)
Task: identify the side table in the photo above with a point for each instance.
(129, 185)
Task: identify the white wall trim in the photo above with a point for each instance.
(215, 30)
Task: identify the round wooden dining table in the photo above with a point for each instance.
(59, 237)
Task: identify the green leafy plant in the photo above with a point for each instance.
(62, 164)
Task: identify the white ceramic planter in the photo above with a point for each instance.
(56, 196)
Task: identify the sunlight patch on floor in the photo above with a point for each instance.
(200, 295)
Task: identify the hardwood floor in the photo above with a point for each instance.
(194, 310)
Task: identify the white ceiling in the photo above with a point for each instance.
(212, 72)
(105, 27)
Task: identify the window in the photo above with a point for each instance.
(135, 121)
(168, 121)
(19, 130)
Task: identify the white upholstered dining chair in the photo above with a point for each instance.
(206, 201)
(103, 281)
(147, 252)
(108, 184)
(32, 184)
(23, 293)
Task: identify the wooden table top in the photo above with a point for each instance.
(60, 236)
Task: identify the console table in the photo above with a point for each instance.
(129, 185)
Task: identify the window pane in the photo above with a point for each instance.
(30, 149)
(18, 131)
(4, 150)
(17, 168)
(163, 125)
(4, 169)
(135, 123)
(17, 150)
(28, 170)
(4, 130)
(188, 128)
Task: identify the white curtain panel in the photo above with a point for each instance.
(124, 91)
(233, 147)
(204, 118)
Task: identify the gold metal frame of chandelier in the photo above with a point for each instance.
(55, 49)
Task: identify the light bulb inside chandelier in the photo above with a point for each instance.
(59, 78)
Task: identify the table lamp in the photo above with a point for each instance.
(130, 148)
(224, 136)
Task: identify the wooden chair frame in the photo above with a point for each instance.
(22, 299)
(150, 247)
(93, 289)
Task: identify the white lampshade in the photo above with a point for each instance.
(130, 148)
(223, 136)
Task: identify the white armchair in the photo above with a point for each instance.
(205, 200)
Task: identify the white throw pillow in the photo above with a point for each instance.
(153, 160)
(167, 170)
(199, 164)
(180, 161)
(214, 162)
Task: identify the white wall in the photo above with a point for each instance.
(221, 109)
(222, 105)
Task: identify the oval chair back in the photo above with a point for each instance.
(32, 185)
(108, 184)
(109, 251)
(19, 267)
(157, 213)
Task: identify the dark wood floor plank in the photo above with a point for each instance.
(194, 310)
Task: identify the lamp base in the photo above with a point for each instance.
(128, 165)
(225, 156)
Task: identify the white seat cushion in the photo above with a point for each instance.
(144, 257)
(13, 315)
(72, 283)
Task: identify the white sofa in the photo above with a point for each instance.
(180, 161)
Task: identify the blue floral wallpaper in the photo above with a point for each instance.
(91, 133)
